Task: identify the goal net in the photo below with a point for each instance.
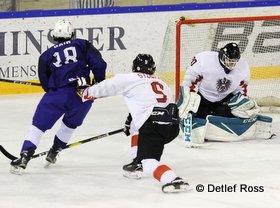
(7, 5)
(258, 39)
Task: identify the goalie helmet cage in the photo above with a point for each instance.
(258, 38)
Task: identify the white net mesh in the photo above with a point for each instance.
(7, 5)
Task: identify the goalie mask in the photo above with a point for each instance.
(144, 63)
(229, 56)
(63, 30)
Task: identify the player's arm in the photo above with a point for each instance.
(43, 72)
(240, 104)
(109, 87)
(242, 88)
(193, 75)
(189, 100)
(96, 63)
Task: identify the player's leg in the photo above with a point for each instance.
(134, 169)
(177, 184)
(134, 145)
(221, 108)
(134, 136)
(48, 111)
(152, 138)
(195, 125)
(61, 138)
(73, 117)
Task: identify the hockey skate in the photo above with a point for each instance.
(177, 185)
(19, 164)
(133, 170)
(52, 155)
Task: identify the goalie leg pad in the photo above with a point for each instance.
(230, 129)
(263, 127)
(187, 128)
(194, 130)
(199, 126)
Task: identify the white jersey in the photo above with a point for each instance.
(207, 76)
(142, 92)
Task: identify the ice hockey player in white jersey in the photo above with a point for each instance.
(153, 115)
(214, 91)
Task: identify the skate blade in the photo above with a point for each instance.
(196, 145)
(16, 170)
(47, 164)
(133, 175)
(176, 188)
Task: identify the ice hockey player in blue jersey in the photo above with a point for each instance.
(58, 69)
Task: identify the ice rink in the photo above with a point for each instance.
(90, 175)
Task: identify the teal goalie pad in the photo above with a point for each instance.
(236, 126)
(236, 129)
(217, 128)
(193, 129)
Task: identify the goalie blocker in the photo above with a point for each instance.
(217, 128)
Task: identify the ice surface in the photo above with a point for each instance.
(90, 175)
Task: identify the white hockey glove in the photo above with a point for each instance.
(243, 107)
(188, 101)
(82, 89)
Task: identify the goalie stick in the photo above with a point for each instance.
(12, 157)
(20, 82)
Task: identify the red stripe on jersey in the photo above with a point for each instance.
(244, 88)
(160, 170)
(134, 140)
(192, 87)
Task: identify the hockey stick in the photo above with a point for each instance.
(20, 82)
(12, 157)
(7, 154)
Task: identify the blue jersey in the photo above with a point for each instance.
(61, 64)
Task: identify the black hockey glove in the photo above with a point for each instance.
(126, 129)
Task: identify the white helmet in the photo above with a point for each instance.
(63, 29)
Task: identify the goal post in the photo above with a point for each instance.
(258, 38)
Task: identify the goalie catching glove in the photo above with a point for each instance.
(187, 101)
(242, 106)
(82, 89)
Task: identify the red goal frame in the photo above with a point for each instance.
(201, 21)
